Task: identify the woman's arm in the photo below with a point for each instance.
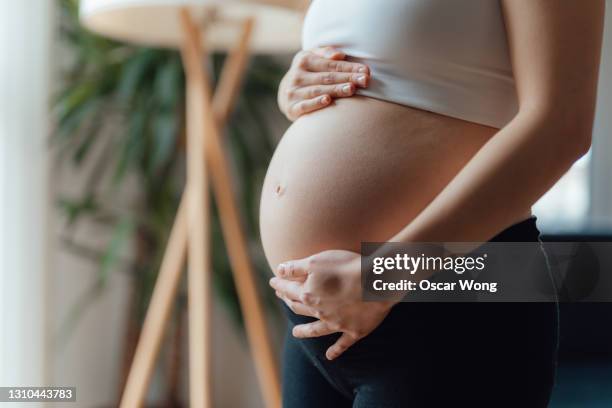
(555, 49)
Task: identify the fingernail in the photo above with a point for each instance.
(346, 89)
(281, 269)
(361, 79)
(272, 281)
(324, 99)
(363, 70)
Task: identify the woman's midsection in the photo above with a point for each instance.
(359, 170)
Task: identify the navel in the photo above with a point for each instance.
(279, 190)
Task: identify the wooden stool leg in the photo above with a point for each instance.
(157, 314)
(199, 276)
(169, 276)
(235, 241)
(172, 263)
(231, 75)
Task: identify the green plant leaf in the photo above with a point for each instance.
(119, 240)
(168, 86)
(73, 209)
(133, 73)
(164, 139)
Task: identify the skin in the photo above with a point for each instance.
(555, 49)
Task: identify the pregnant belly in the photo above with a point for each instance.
(358, 171)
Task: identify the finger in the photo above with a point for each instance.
(310, 105)
(287, 288)
(329, 52)
(314, 329)
(301, 309)
(327, 78)
(289, 270)
(297, 307)
(336, 91)
(314, 63)
(309, 299)
(303, 265)
(340, 346)
(330, 78)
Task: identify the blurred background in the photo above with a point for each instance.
(92, 154)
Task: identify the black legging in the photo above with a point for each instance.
(433, 355)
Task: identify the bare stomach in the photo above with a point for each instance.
(358, 171)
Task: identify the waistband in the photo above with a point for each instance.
(522, 231)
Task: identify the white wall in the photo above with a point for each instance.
(601, 181)
(25, 28)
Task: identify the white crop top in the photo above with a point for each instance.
(446, 56)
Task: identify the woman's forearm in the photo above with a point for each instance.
(555, 47)
(501, 182)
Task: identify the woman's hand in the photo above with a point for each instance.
(317, 76)
(327, 286)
